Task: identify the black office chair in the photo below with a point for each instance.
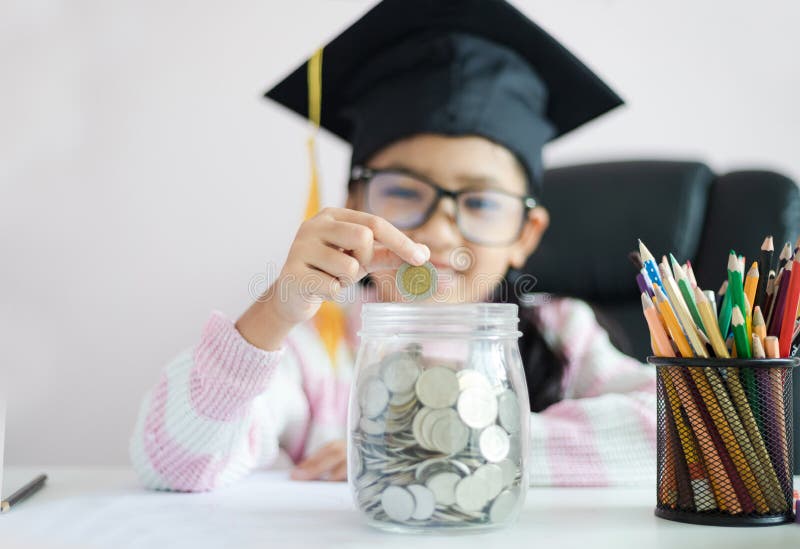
(599, 210)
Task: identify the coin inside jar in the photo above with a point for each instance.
(437, 387)
(416, 282)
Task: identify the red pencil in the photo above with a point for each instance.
(790, 309)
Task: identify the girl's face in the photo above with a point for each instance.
(467, 271)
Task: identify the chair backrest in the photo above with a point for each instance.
(599, 210)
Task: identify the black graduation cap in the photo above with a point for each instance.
(453, 67)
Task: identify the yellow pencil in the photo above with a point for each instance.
(710, 322)
(671, 321)
(748, 318)
(682, 311)
(759, 325)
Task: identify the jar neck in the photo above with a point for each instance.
(472, 320)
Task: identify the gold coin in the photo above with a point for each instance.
(416, 282)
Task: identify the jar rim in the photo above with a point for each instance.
(495, 310)
(478, 319)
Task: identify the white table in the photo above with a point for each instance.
(106, 508)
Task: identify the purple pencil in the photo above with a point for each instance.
(644, 287)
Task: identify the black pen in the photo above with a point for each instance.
(31, 488)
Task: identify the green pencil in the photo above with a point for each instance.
(735, 282)
(688, 294)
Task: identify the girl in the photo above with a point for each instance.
(447, 121)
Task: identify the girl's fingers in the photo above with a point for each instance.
(385, 233)
(326, 459)
(319, 284)
(339, 472)
(336, 263)
(384, 258)
(352, 237)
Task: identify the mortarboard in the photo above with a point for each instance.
(453, 67)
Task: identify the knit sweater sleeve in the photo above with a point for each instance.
(603, 431)
(218, 411)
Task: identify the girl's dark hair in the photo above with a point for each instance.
(544, 367)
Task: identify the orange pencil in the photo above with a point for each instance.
(664, 347)
(751, 282)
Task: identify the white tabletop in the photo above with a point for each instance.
(106, 508)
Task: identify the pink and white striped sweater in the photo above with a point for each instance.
(225, 407)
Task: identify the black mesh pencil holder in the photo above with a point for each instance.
(724, 451)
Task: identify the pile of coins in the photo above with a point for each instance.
(434, 444)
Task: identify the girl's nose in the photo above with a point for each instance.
(441, 229)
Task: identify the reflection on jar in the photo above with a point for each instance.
(438, 417)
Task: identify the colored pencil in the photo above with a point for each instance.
(710, 321)
(690, 274)
(682, 312)
(783, 258)
(751, 282)
(656, 328)
(781, 295)
(704, 499)
(685, 288)
(740, 336)
(671, 321)
(792, 301)
(764, 266)
(720, 481)
(650, 264)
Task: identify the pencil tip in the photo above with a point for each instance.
(737, 319)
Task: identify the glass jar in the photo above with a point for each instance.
(438, 417)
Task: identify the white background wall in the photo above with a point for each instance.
(144, 182)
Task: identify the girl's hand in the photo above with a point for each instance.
(327, 463)
(332, 250)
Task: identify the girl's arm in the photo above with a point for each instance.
(217, 412)
(604, 430)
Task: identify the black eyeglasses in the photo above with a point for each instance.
(486, 216)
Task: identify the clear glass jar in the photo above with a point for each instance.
(438, 417)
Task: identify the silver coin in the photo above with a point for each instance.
(492, 477)
(374, 397)
(503, 506)
(509, 472)
(449, 435)
(424, 500)
(437, 387)
(508, 411)
(416, 426)
(430, 421)
(398, 503)
(477, 407)
(472, 493)
(434, 466)
(398, 399)
(371, 426)
(400, 372)
(494, 443)
(443, 487)
(468, 379)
